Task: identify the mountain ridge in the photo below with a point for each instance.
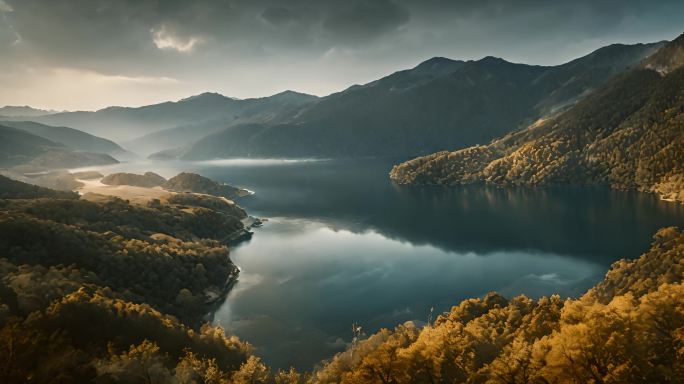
(70, 137)
(26, 152)
(123, 124)
(23, 111)
(627, 135)
(415, 111)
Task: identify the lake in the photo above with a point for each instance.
(343, 245)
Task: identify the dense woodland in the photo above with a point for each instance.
(627, 329)
(108, 291)
(628, 135)
(112, 292)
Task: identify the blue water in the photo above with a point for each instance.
(345, 245)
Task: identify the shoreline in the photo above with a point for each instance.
(92, 189)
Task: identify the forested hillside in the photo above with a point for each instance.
(627, 329)
(439, 104)
(629, 135)
(146, 275)
(114, 292)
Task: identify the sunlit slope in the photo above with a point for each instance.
(629, 135)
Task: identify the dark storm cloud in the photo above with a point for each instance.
(105, 29)
(279, 15)
(366, 19)
(314, 45)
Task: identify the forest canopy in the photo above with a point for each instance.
(113, 292)
(627, 135)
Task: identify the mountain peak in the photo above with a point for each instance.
(492, 60)
(438, 65)
(23, 110)
(618, 56)
(294, 94)
(207, 95)
(667, 58)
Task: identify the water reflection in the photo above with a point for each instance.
(304, 283)
(597, 224)
(347, 245)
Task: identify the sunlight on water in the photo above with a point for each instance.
(254, 162)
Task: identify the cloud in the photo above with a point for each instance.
(4, 7)
(132, 79)
(278, 15)
(366, 20)
(70, 89)
(164, 39)
(249, 48)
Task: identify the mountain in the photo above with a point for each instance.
(17, 146)
(30, 153)
(148, 180)
(629, 135)
(439, 104)
(192, 182)
(194, 116)
(23, 111)
(121, 123)
(70, 137)
(14, 189)
(280, 107)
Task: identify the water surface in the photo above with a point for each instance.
(345, 245)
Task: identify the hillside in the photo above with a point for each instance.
(17, 146)
(439, 104)
(627, 329)
(25, 152)
(14, 189)
(628, 135)
(277, 108)
(145, 275)
(23, 111)
(190, 118)
(147, 180)
(70, 137)
(192, 182)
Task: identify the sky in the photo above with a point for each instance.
(89, 54)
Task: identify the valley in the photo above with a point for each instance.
(458, 221)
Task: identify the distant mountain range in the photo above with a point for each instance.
(441, 104)
(25, 152)
(71, 138)
(160, 126)
(281, 107)
(629, 134)
(23, 111)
